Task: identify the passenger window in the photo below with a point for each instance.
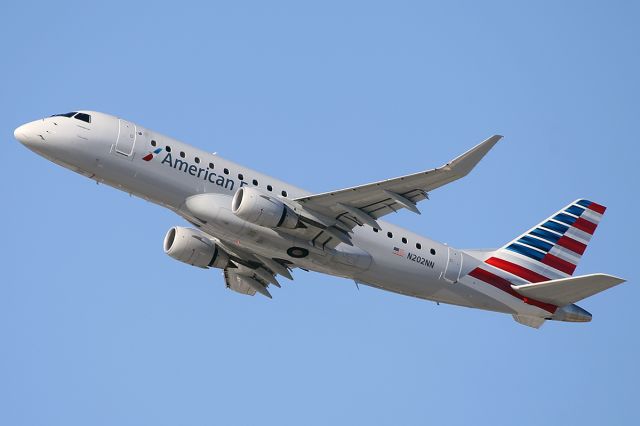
(153, 143)
(182, 154)
(269, 188)
(432, 251)
(389, 234)
(211, 165)
(240, 176)
(375, 229)
(255, 182)
(404, 240)
(226, 171)
(83, 117)
(197, 160)
(167, 148)
(284, 193)
(418, 246)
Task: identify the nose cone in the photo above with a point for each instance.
(28, 134)
(21, 134)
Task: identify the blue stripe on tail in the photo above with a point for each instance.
(555, 226)
(549, 236)
(526, 251)
(564, 218)
(534, 242)
(575, 210)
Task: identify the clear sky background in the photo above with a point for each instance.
(99, 327)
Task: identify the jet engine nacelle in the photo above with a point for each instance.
(194, 248)
(256, 207)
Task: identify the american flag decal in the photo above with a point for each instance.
(398, 251)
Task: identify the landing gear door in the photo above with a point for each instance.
(126, 138)
(454, 266)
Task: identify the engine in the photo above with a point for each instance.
(194, 248)
(256, 207)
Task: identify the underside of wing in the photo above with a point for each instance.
(250, 273)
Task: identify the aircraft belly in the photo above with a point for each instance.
(223, 224)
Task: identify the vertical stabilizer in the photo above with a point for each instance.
(551, 249)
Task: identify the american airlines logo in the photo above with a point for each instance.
(194, 170)
(151, 154)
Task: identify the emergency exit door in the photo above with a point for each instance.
(454, 266)
(126, 138)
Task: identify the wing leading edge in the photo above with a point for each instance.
(362, 205)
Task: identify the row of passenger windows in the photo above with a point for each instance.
(284, 193)
(404, 241)
(225, 171)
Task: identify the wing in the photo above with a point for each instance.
(248, 273)
(364, 204)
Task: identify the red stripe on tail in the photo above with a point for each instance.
(559, 264)
(505, 286)
(597, 208)
(571, 244)
(585, 225)
(520, 271)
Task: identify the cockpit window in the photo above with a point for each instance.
(79, 115)
(84, 117)
(66, 114)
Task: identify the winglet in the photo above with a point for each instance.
(464, 163)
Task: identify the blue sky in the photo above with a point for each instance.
(98, 326)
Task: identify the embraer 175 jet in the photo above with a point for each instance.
(255, 227)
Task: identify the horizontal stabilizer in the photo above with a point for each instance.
(565, 291)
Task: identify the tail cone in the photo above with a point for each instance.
(571, 313)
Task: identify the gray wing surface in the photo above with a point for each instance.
(364, 204)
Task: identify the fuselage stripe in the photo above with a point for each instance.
(504, 285)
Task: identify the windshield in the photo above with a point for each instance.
(77, 115)
(66, 114)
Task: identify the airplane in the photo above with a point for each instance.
(255, 227)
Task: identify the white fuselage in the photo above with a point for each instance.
(113, 151)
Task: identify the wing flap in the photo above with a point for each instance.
(234, 282)
(564, 291)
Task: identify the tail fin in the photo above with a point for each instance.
(552, 249)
